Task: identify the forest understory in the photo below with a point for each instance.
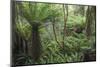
(49, 33)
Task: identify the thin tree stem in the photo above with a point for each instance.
(53, 25)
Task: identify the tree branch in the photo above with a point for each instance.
(65, 10)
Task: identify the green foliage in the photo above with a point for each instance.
(23, 28)
(75, 44)
(75, 20)
(37, 12)
(74, 49)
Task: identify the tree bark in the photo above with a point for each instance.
(35, 49)
(89, 20)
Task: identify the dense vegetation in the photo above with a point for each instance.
(44, 33)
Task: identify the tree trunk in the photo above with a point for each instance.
(35, 49)
(53, 26)
(90, 20)
(65, 11)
